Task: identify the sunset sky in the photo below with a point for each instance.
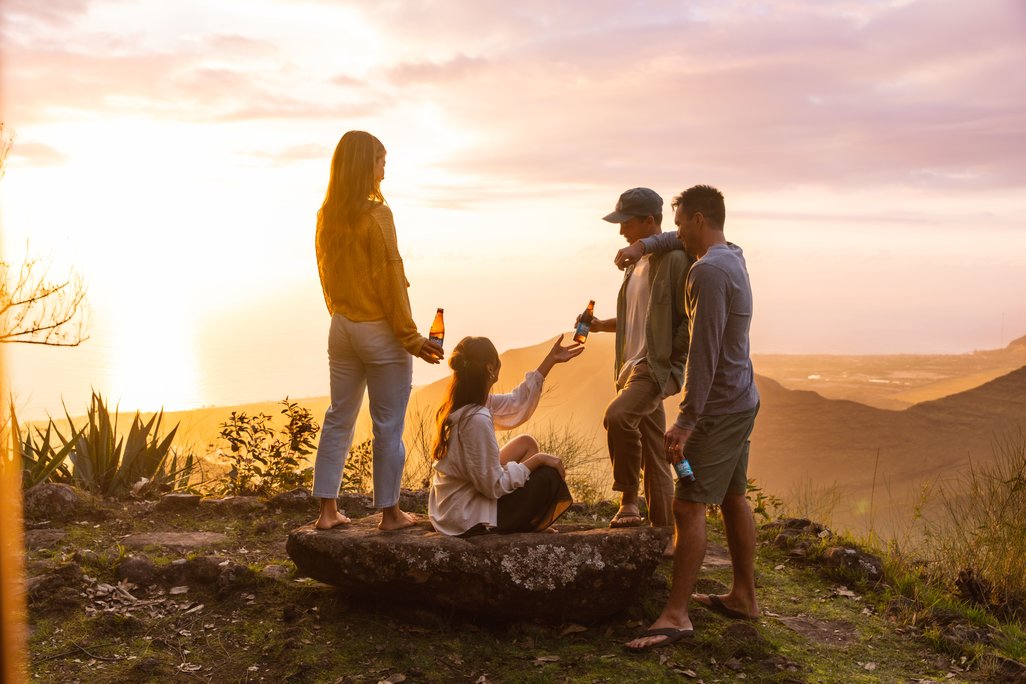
(175, 154)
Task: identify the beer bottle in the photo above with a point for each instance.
(684, 471)
(437, 328)
(584, 324)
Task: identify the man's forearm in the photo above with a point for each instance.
(660, 243)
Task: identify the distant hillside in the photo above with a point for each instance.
(892, 381)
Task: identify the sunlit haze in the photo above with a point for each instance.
(175, 154)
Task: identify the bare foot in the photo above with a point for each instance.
(394, 519)
(329, 520)
(727, 606)
(550, 530)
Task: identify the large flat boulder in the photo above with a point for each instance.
(578, 575)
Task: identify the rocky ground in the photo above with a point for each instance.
(179, 590)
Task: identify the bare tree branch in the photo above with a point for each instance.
(6, 142)
(34, 308)
(37, 310)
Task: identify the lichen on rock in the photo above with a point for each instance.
(550, 567)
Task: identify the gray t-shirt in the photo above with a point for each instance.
(718, 378)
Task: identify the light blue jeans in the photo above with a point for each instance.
(364, 355)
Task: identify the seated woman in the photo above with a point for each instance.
(478, 487)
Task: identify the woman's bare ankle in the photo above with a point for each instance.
(393, 518)
(329, 519)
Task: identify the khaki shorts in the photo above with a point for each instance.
(718, 453)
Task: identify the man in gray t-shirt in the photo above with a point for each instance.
(716, 417)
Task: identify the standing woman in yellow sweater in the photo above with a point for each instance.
(372, 339)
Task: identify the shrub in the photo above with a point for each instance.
(110, 464)
(763, 504)
(264, 460)
(41, 459)
(358, 474)
(980, 543)
(419, 438)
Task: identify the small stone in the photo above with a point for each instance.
(175, 540)
(176, 591)
(43, 539)
(234, 576)
(138, 570)
(298, 499)
(275, 571)
(203, 569)
(865, 564)
(63, 580)
(86, 557)
(56, 501)
(178, 501)
(234, 505)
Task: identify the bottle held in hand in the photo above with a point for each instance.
(437, 333)
(584, 324)
(684, 471)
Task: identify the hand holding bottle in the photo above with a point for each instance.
(431, 352)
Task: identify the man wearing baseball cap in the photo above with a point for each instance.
(651, 349)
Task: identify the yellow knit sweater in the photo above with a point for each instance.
(366, 280)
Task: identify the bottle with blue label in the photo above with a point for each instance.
(584, 323)
(684, 471)
(437, 333)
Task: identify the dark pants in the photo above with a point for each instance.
(536, 505)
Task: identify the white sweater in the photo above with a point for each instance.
(468, 480)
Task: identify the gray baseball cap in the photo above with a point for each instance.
(636, 202)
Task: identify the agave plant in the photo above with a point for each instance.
(109, 464)
(40, 458)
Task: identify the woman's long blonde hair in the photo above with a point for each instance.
(471, 380)
(352, 193)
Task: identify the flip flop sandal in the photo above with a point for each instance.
(672, 636)
(626, 520)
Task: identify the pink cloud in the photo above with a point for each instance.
(35, 154)
(797, 96)
(420, 72)
(298, 153)
(51, 12)
(752, 95)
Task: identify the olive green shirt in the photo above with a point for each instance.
(666, 326)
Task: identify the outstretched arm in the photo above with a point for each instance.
(513, 408)
(559, 354)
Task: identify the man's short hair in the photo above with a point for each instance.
(705, 199)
